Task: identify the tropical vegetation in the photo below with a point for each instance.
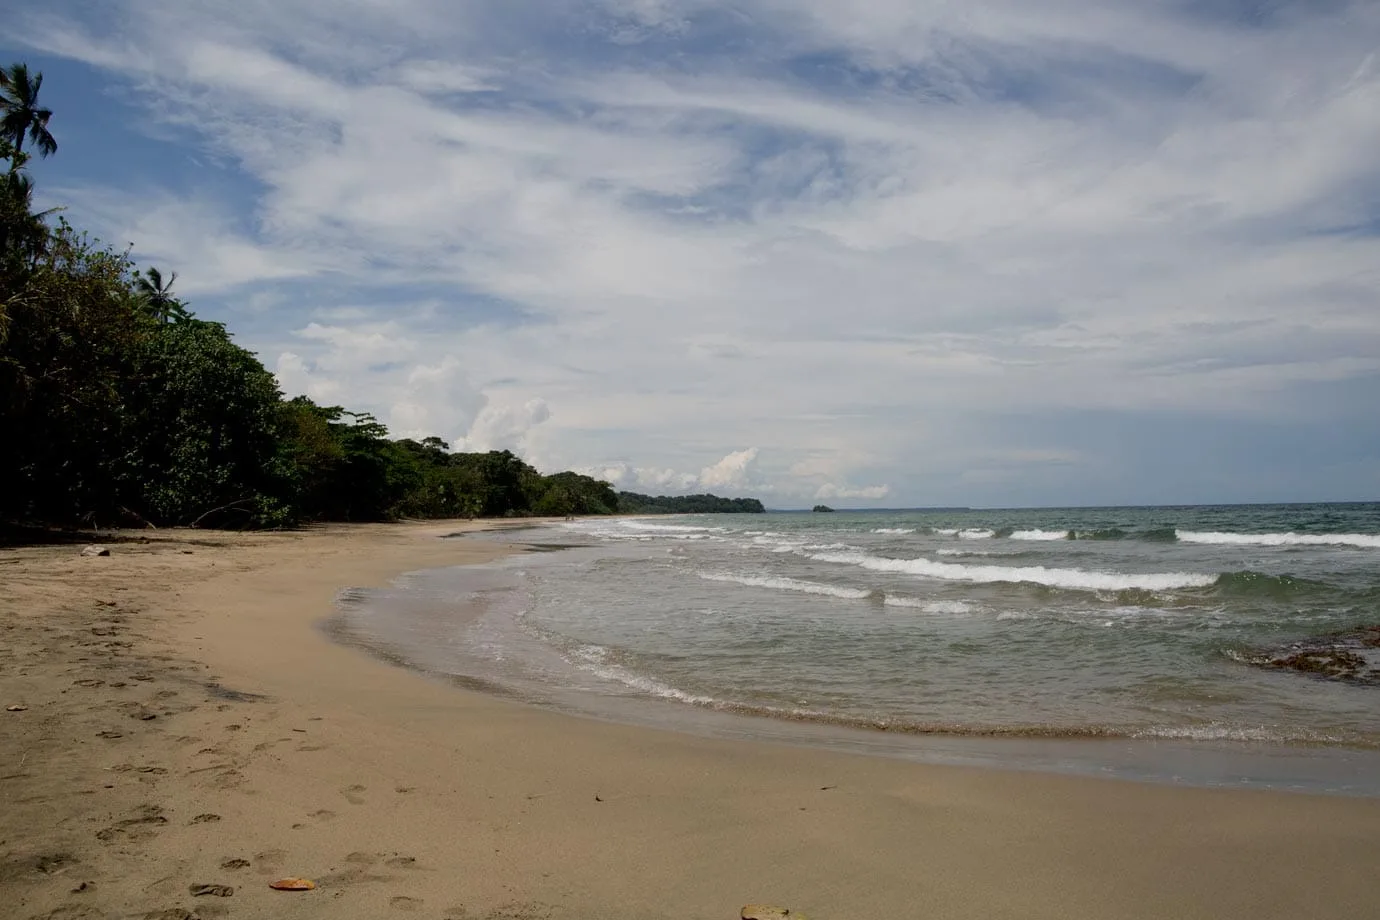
(120, 406)
(634, 503)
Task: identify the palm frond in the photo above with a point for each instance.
(21, 114)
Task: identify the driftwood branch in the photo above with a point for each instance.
(226, 507)
(148, 525)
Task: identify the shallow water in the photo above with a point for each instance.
(1123, 625)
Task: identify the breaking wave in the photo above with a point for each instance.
(667, 528)
(1041, 535)
(951, 607)
(787, 584)
(595, 659)
(1077, 579)
(1364, 540)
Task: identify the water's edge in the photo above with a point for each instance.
(1214, 764)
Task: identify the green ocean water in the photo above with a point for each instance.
(1128, 621)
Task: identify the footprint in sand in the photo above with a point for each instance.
(227, 780)
(71, 912)
(139, 827)
(234, 863)
(269, 862)
(322, 814)
(403, 902)
(401, 862)
(52, 863)
(352, 794)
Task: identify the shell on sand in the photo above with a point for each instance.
(293, 884)
(767, 912)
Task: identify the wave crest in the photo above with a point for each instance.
(1077, 579)
(1363, 540)
(781, 583)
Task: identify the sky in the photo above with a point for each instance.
(878, 253)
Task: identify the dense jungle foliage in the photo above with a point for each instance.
(633, 503)
(121, 406)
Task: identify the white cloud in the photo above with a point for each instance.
(439, 398)
(444, 77)
(735, 471)
(829, 490)
(865, 241)
(504, 427)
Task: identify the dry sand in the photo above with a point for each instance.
(187, 723)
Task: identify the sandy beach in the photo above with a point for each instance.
(172, 716)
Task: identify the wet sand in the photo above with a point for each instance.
(187, 722)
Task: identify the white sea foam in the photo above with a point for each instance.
(950, 607)
(966, 552)
(667, 528)
(976, 534)
(946, 531)
(894, 530)
(642, 531)
(786, 584)
(775, 540)
(1037, 574)
(593, 659)
(1365, 540)
(1217, 731)
(1040, 535)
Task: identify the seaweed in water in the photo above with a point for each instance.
(1352, 656)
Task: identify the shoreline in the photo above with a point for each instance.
(387, 623)
(397, 792)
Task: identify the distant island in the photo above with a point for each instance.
(635, 503)
(822, 508)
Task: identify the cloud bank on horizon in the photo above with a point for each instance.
(894, 253)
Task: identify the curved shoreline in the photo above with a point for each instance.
(1205, 756)
(398, 792)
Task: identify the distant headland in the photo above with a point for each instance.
(635, 503)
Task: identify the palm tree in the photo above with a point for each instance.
(157, 295)
(22, 232)
(20, 114)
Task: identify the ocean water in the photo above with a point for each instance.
(1120, 625)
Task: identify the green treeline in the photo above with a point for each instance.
(120, 406)
(633, 503)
